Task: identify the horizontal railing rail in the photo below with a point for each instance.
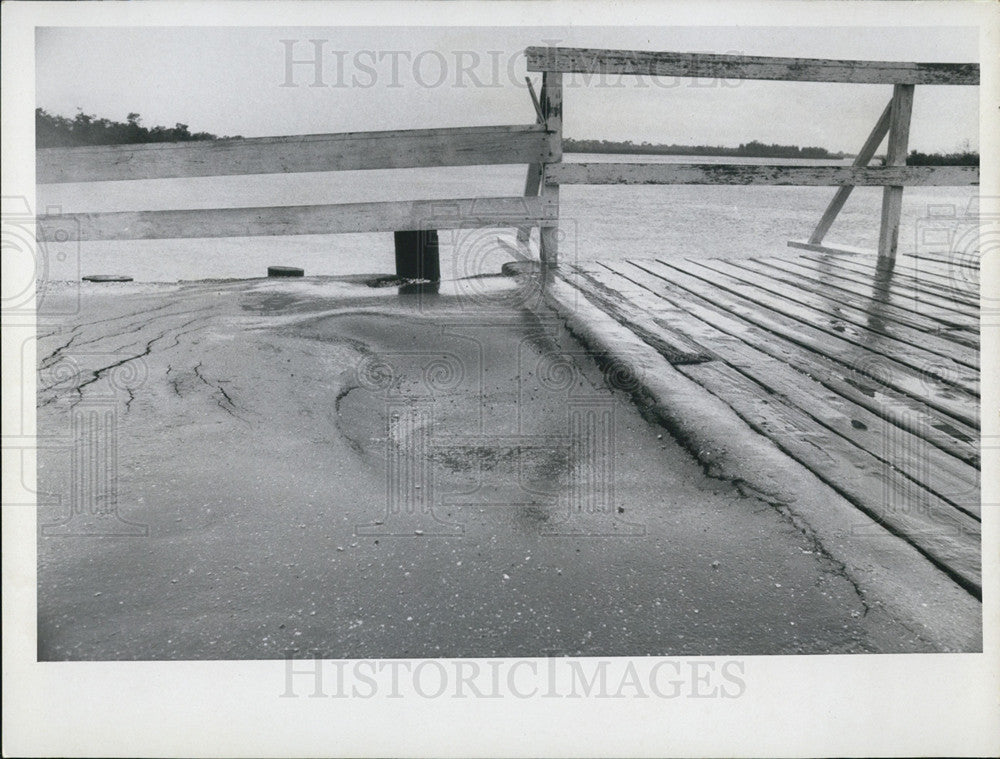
(570, 60)
(529, 144)
(389, 216)
(404, 149)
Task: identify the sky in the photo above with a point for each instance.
(245, 81)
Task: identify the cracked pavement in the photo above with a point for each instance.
(322, 466)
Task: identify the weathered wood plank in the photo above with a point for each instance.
(552, 108)
(844, 250)
(964, 261)
(947, 399)
(947, 536)
(865, 155)
(940, 270)
(593, 61)
(960, 293)
(943, 373)
(951, 284)
(947, 272)
(462, 146)
(903, 340)
(956, 284)
(892, 196)
(958, 440)
(770, 174)
(953, 277)
(877, 307)
(302, 220)
(645, 317)
(920, 300)
(949, 478)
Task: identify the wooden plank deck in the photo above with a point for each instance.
(867, 377)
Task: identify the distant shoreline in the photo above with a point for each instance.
(753, 149)
(756, 150)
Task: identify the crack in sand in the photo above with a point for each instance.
(98, 374)
(51, 358)
(839, 568)
(226, 402)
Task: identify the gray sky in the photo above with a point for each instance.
(230, 81)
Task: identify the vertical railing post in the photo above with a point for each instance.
(552, 108)
(892, 195)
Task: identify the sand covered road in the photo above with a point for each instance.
(245, 468)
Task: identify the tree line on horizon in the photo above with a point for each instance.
(756, 149)
(52, 131)
(962, 158)
(752, 149)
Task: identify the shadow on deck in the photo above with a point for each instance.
(867, 376)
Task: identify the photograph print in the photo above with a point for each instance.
(426, 342)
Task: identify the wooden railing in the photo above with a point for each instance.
(553, 62)
(467, 146)
(571, 60)
(538, 145)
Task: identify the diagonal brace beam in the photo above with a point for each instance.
(843, 193)
(534, 178)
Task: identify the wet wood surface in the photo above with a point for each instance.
(867, 377)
